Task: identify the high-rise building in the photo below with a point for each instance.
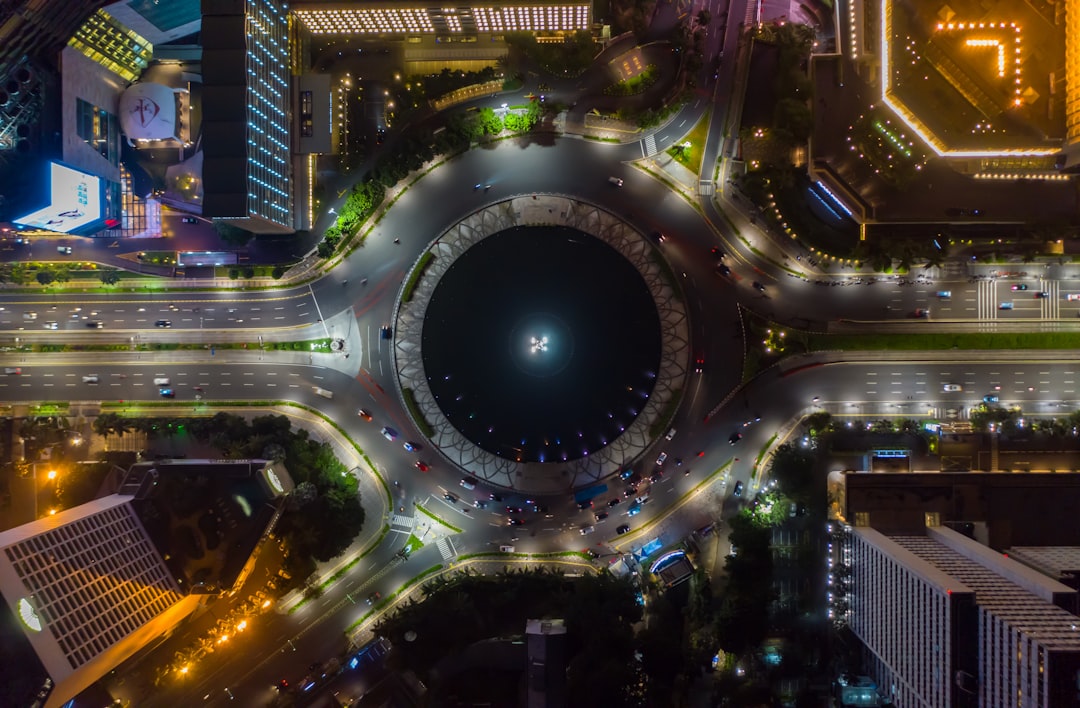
(246, 107)
(94, 584)
(946, 621)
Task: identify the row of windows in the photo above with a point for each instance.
(530, 18)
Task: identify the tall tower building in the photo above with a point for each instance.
(246, 103)
(947, 622)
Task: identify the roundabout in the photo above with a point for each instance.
(544, 344)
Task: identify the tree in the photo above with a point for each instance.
(46, 277)
(106, 424)
(109, 277)
(794, 115)
(277, 272)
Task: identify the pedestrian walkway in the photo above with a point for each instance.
(407, 522)
(446, 548)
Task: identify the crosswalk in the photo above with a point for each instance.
(446, 548)
(407, 522)
(994, 295)
(648, 145)
(706, 187)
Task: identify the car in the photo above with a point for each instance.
(587, 504)
(13, 370)
(1019, 286)
(173, 308)
(450, 498)
(738, 488)
(586, 530)
(734, 438)
(514, 510)
(622, 529)
(670, 434)
(952, 388)
(626, 474)
(514, 521)
(495, 497)
(661, 459)
(163, 323)
(421, 465)
(629, 492)
(389, 433)
(723, 269)
(167, 393)
(717, 253)
(373, 598)
(758, 286)
(469, 483)
(634, 509)
(506, 549)
(615, 181)
(613, 502)
(539, 508)
(922, 312)
(188, 220)
(1041, 295)
(656, 476)
(699, 364)
(66, 250)
(91, 379)
(365, 416)
(1005, 306)
(95, 324)
(601, 515)
(52, 325)
(1072, 297)
(385, 331)
(658, 236)
(480, 504)
(282, 686)
(990, 398)
(944, 294)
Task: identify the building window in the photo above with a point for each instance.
(99, 129)
(307, 111)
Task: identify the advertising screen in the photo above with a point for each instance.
(76, 202)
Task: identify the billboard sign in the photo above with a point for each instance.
(75, 202)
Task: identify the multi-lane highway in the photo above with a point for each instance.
(355, 299)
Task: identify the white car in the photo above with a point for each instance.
(662, 459)
(92, 378)
(953, 388)
(389, 433)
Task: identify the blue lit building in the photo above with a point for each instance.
(246, 103)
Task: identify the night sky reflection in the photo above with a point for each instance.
(541, 344)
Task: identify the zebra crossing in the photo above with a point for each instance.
(648, 145)
(407, 522)
(994, 297)
(446, 548)
(706, 187)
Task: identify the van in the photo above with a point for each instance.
(164, 381)
(468, 483)
(322, 392)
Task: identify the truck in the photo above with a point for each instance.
(322, 392)
(590, 493)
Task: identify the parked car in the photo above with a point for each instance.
(622, 529)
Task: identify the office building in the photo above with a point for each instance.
(94, 584)
(246, 114)
(947, 622)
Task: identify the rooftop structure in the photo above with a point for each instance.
(946, 621)
(392, 18)
(546, 679)
(116, 47)
(91, 590)
(94, 584)
(246, 107)
(1062, 563)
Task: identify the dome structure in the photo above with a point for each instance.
(148, 112)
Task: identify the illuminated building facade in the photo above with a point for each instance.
(90, 588)
(394, 19)
(946, 621)
(246, 107)
(94, 584)
(116, 47)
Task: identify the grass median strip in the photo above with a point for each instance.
(761, 454)
(436, 517)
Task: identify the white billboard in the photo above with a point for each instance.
(75, 202)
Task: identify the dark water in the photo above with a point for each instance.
(576, 392)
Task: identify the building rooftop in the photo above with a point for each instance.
(1049, 625)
